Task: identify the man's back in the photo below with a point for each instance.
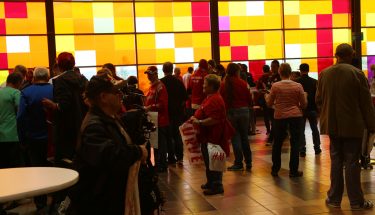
(9, 100)
(345, 102)
(196, 86)
(176, 95)
(309, 86)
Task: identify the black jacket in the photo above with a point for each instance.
(309, 86)
(103, 160)
(67, 92)
(177, 96)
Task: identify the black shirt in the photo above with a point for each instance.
(309, 86)
(176, 96)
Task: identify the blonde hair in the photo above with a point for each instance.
(285, 70)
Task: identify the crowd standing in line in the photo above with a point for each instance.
(79, 120)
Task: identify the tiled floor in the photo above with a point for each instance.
(257, 192)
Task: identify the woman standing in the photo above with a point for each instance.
(238, 99)
(214, 128)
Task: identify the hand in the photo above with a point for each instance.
(194, 120)
(49, 104)
(144, 153)
(147, 108)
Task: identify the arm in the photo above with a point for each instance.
(270, 98)
(62, 96)
(318, 95)
(302, 97)
(21, 117)
(205, 122)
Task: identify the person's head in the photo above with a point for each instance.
(211, 84)
(168, 68)
(14, 80)
(102, 93)
(190, 70)
(304, 68)
(132, 80)
(40, 75)
(244, 67)
(110, 67)
(104, 71)
(344, 53)
(21, 69)
(152, 73)
(65, 61)
(220, 69)
(177, 71)
(266, 69)
(29, 75)
(203, 65)
(285, 70)
(233, 69)
(211, 64)
(295, 75)
(275, 64)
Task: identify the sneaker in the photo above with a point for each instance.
(332, 204)
(248, 168)
(367, 204)
(205, 186)
(235, 168)
(296, 174)
(211, 192)
(318, 151)
(302, 154)
(274, 174)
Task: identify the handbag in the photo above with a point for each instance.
(217, 158)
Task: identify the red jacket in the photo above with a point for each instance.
(157, 95)
(196, 86)
(241, 93)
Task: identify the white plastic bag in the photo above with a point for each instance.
(217, 158)
(189, 138)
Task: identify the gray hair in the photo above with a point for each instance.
(214, 81)
(177, 70)
(41, 73)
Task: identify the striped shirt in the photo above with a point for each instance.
(288, 99)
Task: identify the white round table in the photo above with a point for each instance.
(19, 183)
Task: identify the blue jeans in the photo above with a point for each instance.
(239, 117)
(313, 121)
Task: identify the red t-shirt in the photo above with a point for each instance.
(213, 107)
(196, 86)
(241, 94)
(158, 95)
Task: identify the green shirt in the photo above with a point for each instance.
(9, 101)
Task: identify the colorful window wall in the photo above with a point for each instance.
(368, 30)
(23, 37)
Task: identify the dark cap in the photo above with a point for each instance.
(203, 64)
(99, 84)
(151, 70)
(304, 67)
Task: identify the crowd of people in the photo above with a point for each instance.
(78, 123)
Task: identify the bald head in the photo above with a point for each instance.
(344, 53)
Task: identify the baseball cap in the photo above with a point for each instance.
(151, 70)
(99, 84)
(304, 67)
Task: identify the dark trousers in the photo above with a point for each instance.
(312, 116)
(345, 152)
(239, 118)
(10, 155)
(214, 178)
(37, 154)
(270, 112)
(176, 141)
(161, 155)
(266, 117)
(280, 128)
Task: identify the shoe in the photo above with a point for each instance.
(235, 168)
(332, 204)
(318, 151)
(302, 154)
(367, 204)
(274, 174)
(296, 174)
(248, 168)
(205, 186)
(211, 192)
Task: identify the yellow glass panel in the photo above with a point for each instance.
(291, 7)
(340, 20)
(65, 43)
(145, 41)
(163, 55)
(62, 10)
(201, 40)
(291, 21)
(303, 36)
(274, 51)
(307, 21)
(18, 58)
(182, 23)
(183, 40)
(102, 10)
(341, 35)
(313, 63)
(369, 34)
(255, 38)
(315, 7)
(238, 39)
(123, 9)
(163, 9)
(146, 56)
(84, 42)
(125, 57)
(364, 47)
(257, 52)
(256, 22)
(181, 9)
(2, 11)
(272, 22)
(370, 19)
(223, 8)
(202, 53)
(105, 56)
(36, 10)
(237, 8)
(3, 45)
(83, 26)
(124, 24)
(104, 42)
(163, 24)
(309, 50)
(225, 53)
(25, 26)
(273, 37)
(144, 9)
(124, 42)
(143, 82)
(64, 26)
(237, 22)
(82, 10)
(3, 75)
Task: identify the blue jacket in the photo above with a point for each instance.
(31, 117)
